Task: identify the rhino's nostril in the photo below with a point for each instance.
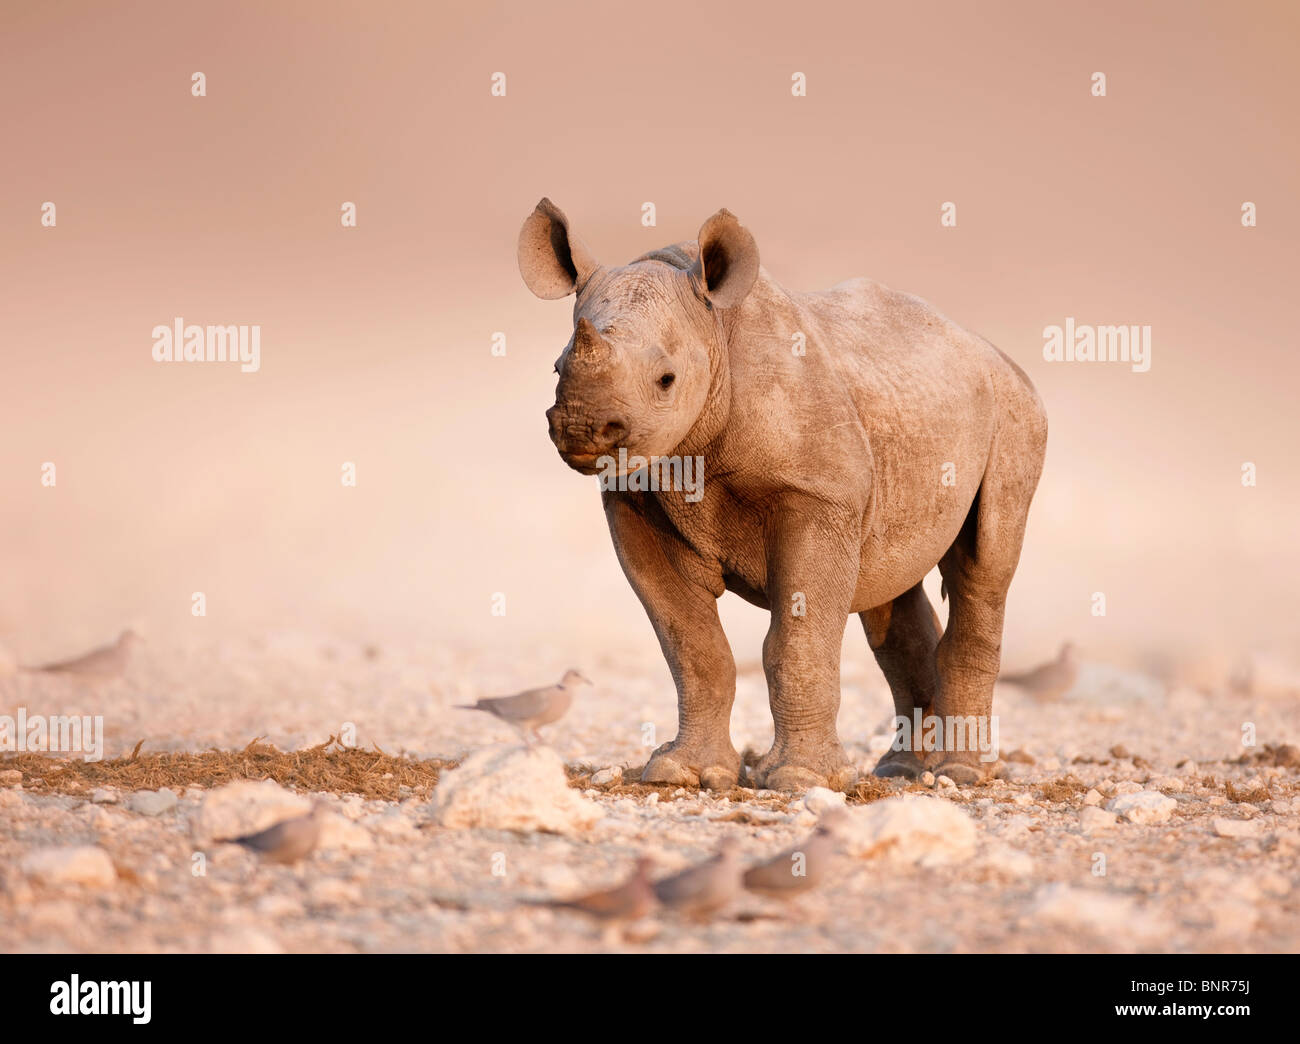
(612, 432)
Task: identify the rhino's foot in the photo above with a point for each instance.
(902, 763)
(962, 767)
(796, 769)
(693, 766)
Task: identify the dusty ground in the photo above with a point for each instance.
(1219, 874)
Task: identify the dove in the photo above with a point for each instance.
(629, 901)
(1050, 680)
(705, 888)
(531, 709)
(109, 661)
(798, 869)
(289, 840)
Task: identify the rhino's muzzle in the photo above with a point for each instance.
(582, 442)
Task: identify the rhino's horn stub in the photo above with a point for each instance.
(588, 345)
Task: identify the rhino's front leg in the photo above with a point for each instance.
(672, 584)
(812, 572)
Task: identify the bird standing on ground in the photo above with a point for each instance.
(798, 869)
(706, 888)
(109, 661)
(1050, 680)
(533, 708)
(629, 901)
(289, 840)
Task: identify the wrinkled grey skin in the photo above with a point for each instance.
(824, 484)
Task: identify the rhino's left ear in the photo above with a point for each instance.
(553, 261)
(728, 261)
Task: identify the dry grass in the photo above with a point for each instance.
(329, 768)
(1251, 795)
(1279, 755)
(1062, 789)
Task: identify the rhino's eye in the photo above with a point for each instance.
(666, 381)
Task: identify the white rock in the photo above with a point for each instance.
(330, 891)
(1240, 828)
(944, 782)
(1108, 916)
(242, 940)
(1128, 786)
(820, 800)
(1093, 819)
(95, 817)
(1012, 862)
(101, 796)
(607, 776)
(1093, 797)
(245, 807)
(909, 830)
(1143, 806)
(392, 823)
(1013, 825)
(277, 907)
(927, 778)
(338, 833)
(56, 915)
(75, 864)
(152, 802)
(512, 788)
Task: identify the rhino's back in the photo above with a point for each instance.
(926, 396)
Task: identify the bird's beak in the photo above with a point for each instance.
(582, 677)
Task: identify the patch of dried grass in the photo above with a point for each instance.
(1062, 789)
(1250, 795)
(328, 767)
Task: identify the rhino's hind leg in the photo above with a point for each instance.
(977, 570)
(904, 635)
(684, 615)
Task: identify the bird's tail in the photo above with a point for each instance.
(465, 706)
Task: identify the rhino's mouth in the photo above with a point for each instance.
(584, 463)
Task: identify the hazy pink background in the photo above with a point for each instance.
(375, 340)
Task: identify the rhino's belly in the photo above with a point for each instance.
(898, 551)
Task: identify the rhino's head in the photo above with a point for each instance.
(638, 370)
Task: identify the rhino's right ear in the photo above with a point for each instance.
(553, 261)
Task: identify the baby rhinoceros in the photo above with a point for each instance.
(843, 444)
